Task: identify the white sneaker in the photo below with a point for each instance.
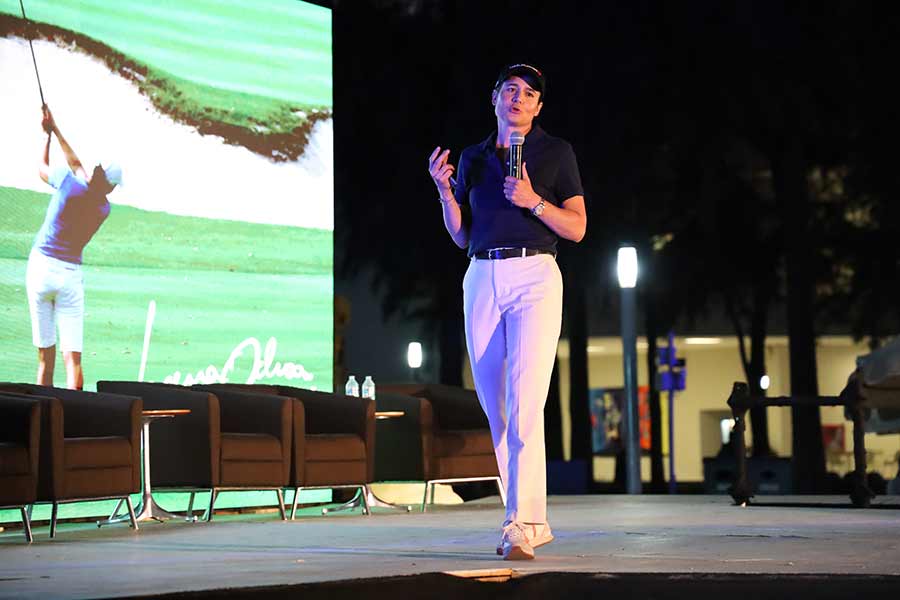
(537, 535)
(514, 543)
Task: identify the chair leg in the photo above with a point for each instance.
(364, 490)
(116, 510)
(502, 491)
(281, 504)
(131, 517)
(212, 500)
(53, 513)
(29, 509)
(190, 509)
(26, 523)
(425, 497)
(294, 503)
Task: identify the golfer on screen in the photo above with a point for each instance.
(54, 280)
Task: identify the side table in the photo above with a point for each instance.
(148, 508)
(365, 497)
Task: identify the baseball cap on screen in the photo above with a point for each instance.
(113, 171)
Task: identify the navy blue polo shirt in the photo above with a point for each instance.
(495, 221)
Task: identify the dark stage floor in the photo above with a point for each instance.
(635, 545)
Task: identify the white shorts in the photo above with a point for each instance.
(55, 298)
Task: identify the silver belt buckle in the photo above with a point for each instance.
(494, 253)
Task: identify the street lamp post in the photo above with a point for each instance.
(627, 268)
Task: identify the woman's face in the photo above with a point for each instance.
(516, 103)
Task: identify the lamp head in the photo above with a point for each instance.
(627, 267)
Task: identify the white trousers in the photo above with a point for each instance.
(513, 313)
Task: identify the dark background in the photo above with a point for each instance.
(746, 148)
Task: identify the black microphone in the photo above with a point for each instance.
(516, 140)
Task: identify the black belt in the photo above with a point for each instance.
(501, 253)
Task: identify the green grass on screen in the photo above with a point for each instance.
(215, 283)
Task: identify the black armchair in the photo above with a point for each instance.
(20, 423)
(90, 446)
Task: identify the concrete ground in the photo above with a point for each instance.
(594, 534)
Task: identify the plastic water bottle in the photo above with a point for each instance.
(368, 388)
(352, 387)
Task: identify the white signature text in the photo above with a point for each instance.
(264, 366)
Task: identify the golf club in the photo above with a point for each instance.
(30, 45)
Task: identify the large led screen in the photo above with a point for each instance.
(215, 260)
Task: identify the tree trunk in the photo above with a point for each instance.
(657, 474)
(759, 422)
(451, 345)
(579, 409)
(553, 418)
(790, 186)
(754, 365)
